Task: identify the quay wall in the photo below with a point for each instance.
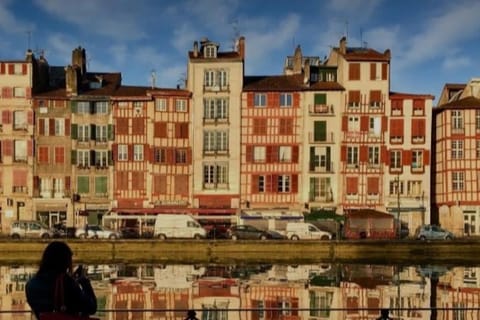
(232, 252)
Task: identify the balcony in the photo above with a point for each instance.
(321, 109)
(215, 121)
(20, 126)
(317, 168)
(353, 105)
(321, 198)
(418, 139)
(417, 168)
(397, 112)
(418, 112)
(396, 139)
(216, 88)
(83, 167)
(19, 189)
(327, 139)
(101, 141)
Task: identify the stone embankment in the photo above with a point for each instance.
(229, 252)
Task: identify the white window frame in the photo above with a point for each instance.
(261, 184)
(138, 152)
(83, 132)
(260, 100)
(101, 133)
(374, 155)
(458, 180)
(83, 107)
(284, 183)
(122, 152)
(417, 159)
(396, 159)
(101, 158)
(19, 92)
(259, 154)
(352, 156)
(414, 188)
(20, 120)
(375, 126)
(215, 175)
(286, 100)
(285, 154)
(457, 119)
(83, 158)
(457, 149)
(160, 104)
(353, 124)
(18, 68)
(59, 126)
(20, 150)
(101, 107)
(181, 105)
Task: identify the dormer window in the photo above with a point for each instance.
(210, 51)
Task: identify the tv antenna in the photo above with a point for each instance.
(29, 38)
(153, 76)
(236, 33)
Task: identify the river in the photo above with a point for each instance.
(267, 291)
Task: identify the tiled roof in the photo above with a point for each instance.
(458, 86)
(220, 55)
(402, 95)
(364, 54)
(129, 91)
(285, 83)
(111, 81)
(465, 103)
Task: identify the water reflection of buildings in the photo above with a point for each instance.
(294, 292)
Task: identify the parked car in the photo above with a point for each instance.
(250, 232)
(60, 230)
(432, 232)
(305, 231)
(217, 231)
(30, 229)
(97, 232)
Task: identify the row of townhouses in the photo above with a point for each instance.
(328, 134)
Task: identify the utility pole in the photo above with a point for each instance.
(399, 225)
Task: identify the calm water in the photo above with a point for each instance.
(319, 291)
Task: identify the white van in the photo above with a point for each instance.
(305, 231)
(177, 226)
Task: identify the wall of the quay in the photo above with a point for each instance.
(144, 251)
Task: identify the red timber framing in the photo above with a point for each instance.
(152, 152)
(270, 167)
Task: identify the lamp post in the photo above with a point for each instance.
(399, 225)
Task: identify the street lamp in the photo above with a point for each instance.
(399, 225)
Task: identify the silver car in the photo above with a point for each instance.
(433, 232)
(97, 232)
(30, 229)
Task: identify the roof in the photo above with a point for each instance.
(285, 83)
(364, 54)
(465, 103)
(220, 55)
(400, 95)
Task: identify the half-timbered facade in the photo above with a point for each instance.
(456, 149)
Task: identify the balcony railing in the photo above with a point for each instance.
(328, 138)
(321, 109)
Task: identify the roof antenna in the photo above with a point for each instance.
(153, 78)
(346, 29)
(29, 36)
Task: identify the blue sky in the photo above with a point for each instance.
(432, 41)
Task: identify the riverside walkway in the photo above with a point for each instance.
(458, 251)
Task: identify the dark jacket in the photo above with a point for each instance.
(79, 297)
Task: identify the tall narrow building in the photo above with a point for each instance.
(215, 79)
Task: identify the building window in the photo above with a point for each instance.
(285, 154)
(285, 100)
(122, 152)
(210, 52)
(320, 189)
(83, 158)
(353, 124)
(396, 160)
(101, 186)
(43, 155)
(58, 187)
(414, 188)
(215, 175)
(215, 141)
(261, 183)
(259, 153)
(138, 152)
(477, 120)
(457, 121)
(457, 149)
(59, 127)
(18, 68)
(160, 104)
(259, 126)
(83, 107)
(395, 187)
(123, 104)
(209, 80)
(216, 79)
(374, 156)
(180, 156)
(283, 183)
(458, 180)
(19, 92)
(477, 149)
(20, 120)
(159, 155)
(20, 151)
(101, 107)
(101, 158)
(215, 108)
(260, 100)
(101, 132)
(83, 132)
(374, 126)
(181, 105)
(417, 160)
(352, 156)
(59, 155)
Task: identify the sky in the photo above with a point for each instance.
(433, 42)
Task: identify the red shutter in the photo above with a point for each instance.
(11, 69)
(375, 96)
(384, 123)
(295, 154)
(51, 127)
(372, 185)
(269, 152)
(41, 126)
(115, 152)
(270, 99)
(130, 152)
(28, 92)
(2, 68)
(373, 71)
(396, 127)
(294, 183)
(249, 154)
(30, 117)
(344, 123)
(6, 117)
(407, 157)
(274, 183)
(189, 156)
(363, 153)
(426, 157)
(67, 183)
(384, 71)
(7, 147)
(343, 153)
(254, 186)
(67, 127)
(250, 99)
(24, 68)
(30, 148)
(384, 155)
(275, 154)
(296, 100)
(352, 185)
(268, 183)
(364, 123)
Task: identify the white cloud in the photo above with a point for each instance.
(183, 37)
(361, 10)
(60, 48)
(170, 76)
(119, 53)
(455, 62)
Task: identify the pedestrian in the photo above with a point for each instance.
(55, 289)
(191, 315)
(384, 315)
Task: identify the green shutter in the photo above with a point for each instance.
(93, 132)
(320, 98)
(73, 106)
(74, 130)
(82, 185)
(312, 158)
(73, 156)
(110, 158)
(110, 132)
(320, 131)
(312, 189)
(329, 165)
(100, 185)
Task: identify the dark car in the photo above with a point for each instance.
(250, 232)
(217, 231)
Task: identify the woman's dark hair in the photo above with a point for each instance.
(56, 259)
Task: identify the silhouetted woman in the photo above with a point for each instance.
(54, 288)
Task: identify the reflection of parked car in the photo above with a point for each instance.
(97, 232)
(30, 229)
(250, 232)
(432, 232)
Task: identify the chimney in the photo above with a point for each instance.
(71, 80)
(241, 47)
(79, 60)
(388, 54)
(306, 72)
(343, 45)
(195, 49)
